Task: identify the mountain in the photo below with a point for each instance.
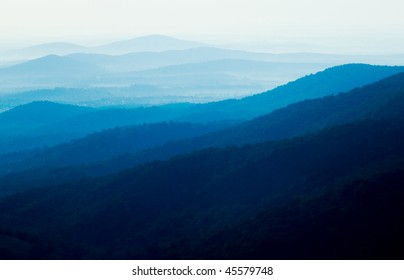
(49, 71)
(97, 147)
(163, 48)
(112, 142)
(258, 201)
(151, 60)
(175, 81)
(211, 74)
(20, 126)
(328, 82)
(46, 66)
(378, 101)
(270, 74)
(232, 76)
(89, 97)
(56, 48)
(151, 43)
(191, 82)
(36, 114)
(41, 124)
(37, 51)
(217, 79)
(330, 187)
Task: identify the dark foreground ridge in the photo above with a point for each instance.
(319, 179)
(335, 194)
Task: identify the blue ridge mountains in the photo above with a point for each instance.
(156, 43)
(235, 202)
(207, 80)
(111, 162)
(17, 128)
(119, 148)
(155, 70)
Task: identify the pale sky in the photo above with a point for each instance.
(377, 24)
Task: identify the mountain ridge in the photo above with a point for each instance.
(209, 192)
(381, 100)
(344, 77)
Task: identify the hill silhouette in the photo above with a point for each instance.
(214, 201)
(378, 101)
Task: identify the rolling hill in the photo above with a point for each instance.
(151, 43)
(207, 73)
(39, 124)
(317, 175)
(47, 72)
(138, 44)
(31, 116)
(152, 60)
(56, 48)
(377, 101)
(235, 202)
(331, 81)
(20, 136)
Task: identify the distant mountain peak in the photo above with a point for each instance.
(43, 104)
(51, 60)
(55, 44)
(148, 43)
(55, 48)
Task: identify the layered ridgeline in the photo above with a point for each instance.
(380, 100)
(157, 43)
(234, 77)
(202, 74)
(331, 81)
(41, 124)
(196, 75)
(160, 44)
(335, 194)
(57, 130)
(153, 70)
(196, 83)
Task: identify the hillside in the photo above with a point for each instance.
(148, 60)
(232, 77)
(210, 204)
(153, 43)
(138, 44)
(47, 72)
(227, 74)
(116, 141)
(19, 127)
(40, 124)
(36, 114)
(55, 48)
(168, 84)
(52, 65)
(331, 81)
(378, 101)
